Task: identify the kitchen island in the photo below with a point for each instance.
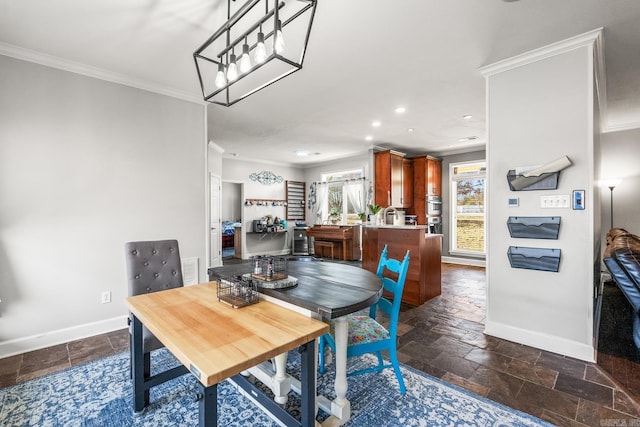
(423, 280)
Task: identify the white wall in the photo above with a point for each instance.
(85, 166)
(239, 171)
(539, 111)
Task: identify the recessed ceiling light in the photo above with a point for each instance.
(376, 123)
(467, 116)
(400, 110)
(410, 130)
(302, 153)
(368, 138)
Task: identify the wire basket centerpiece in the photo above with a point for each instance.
(237, 291)
(268, 268)
(270, 273)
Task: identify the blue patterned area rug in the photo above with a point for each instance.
(100, 394)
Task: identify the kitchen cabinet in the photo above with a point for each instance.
(434, 176)
(427, 181)
(423, 280)
(394, 179)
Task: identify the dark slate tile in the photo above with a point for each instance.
(119, 340)
(518, 351)
(490, 359)
(559, 420)
(534, 373)
(503, 385)
(454, 364)
(42, 362)
(9, 367)
(476, 388)
(534, 397)
(598, 376)
(564, 365)
(452, 346)
(585, 389)
(89, 349)
(592, 414)
(419, 351)
(624, 403)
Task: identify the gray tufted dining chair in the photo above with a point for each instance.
(152, 266)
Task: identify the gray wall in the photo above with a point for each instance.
(540, 111)
(86, 165)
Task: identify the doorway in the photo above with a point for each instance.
(231, 216)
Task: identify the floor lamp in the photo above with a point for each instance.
(611, 187)
(611, 184)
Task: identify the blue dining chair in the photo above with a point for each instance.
(366, 335)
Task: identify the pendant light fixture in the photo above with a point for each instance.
(245, 59)
(221, 79)
(261, 49)
(232, 69)
(224, 80)
(278, 41)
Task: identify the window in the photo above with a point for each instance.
(468, 208)
(344, 194)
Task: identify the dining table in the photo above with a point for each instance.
(328, 291)
(215, 342)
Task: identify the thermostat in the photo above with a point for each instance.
(513, 203)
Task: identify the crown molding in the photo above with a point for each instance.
(95, 72)
(586, 39)
(620, 127)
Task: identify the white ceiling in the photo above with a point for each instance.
(364, 58)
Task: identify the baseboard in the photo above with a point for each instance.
(60, 336)
(542, 341)
(464, 261)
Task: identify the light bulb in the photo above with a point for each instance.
(232, 70)
(245, 60)
(221, 80)
(278, 42)
(261, 51)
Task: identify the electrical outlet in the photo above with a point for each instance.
(106, 297)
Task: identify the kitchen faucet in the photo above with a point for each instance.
(384, 213)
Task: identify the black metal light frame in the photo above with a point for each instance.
(226, 98)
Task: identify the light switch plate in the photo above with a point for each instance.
(555, 202)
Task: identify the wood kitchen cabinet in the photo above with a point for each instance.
(424, 276)
(427, 181)
(434, 176)
(394, 179)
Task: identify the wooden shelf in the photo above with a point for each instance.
(265, 202)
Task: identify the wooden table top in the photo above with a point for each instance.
(215, 340)
(327, 288)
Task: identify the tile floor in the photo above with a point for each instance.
(443, 338)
